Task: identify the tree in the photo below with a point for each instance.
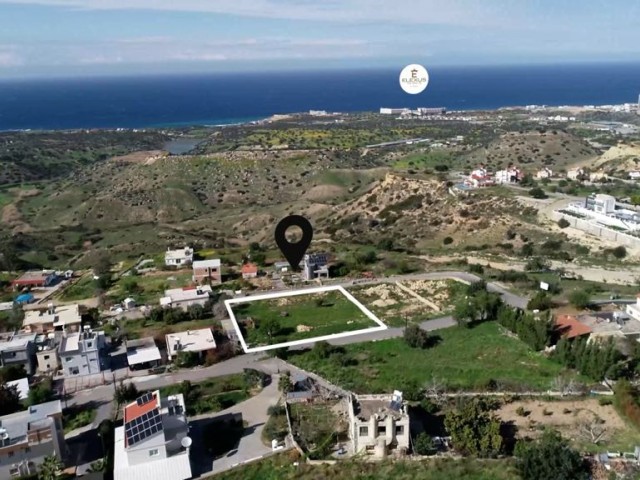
(130, 286)
(126, 393)
(540, 301)
(50, 468)
(271, 327)
(187, 359)
(284, 384)
(465, 312)
(538, 193)
(11, 373)
(101, 263)
(9, 400)
(41, 393)
(580, 299)
(424, 444)
(416, 337)
(619, 252)
(474, 429)
(550, 457)
(196, 312)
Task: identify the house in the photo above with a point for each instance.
(83, 353)
(303, 389)
(379, 424)
(635, 175)
(633, 309)
(199, 341)
(34, 278)
(178, 258)
(153, 443)
(568, 326)
(510, 175)
(544, 173)
(47, 353)
(315, 266)
(207, 271)
(249, 270)
(62, 318)
(128, 303)
(598, 176)
(19, 349)
(22, 387)
(281, 267)
(575, 174)
(186, 296)
(27, 437)
(142, 354)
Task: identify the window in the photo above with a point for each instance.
(382, 429)
(68, 359)
(154, 452)
(27, 450)
(46, 357)
(89, 344)
(399, 430)
(364, 431)
(11, 454)
(74, 371)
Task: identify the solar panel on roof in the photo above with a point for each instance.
(144, 399)
(138, 429)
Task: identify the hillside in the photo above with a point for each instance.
(534, 149)
(620, 159)
(28, 157)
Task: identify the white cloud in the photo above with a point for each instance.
(450, 12)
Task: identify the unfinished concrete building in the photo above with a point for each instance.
(379, 424)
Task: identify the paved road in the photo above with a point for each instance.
(254, 413)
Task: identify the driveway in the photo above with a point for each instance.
(254, 413)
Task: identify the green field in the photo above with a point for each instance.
(284, 319)
(281, 467)
(461, 359)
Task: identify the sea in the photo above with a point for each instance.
(228, 98)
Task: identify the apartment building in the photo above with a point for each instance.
(83, 353)
(153, 443)
(27, 437)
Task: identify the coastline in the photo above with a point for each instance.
(246, 121)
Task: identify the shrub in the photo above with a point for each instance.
(447, 241)
(424, 444)
(563, 223)
(415, 337)
(520, 411)
(604, 401)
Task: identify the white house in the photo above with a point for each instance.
(185, 297)
(635, 175)
(153, 443)
(544, 173)
(178, 258)
(633, 310)
(199, 341)
(575, 173)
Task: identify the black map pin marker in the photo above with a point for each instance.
(294, 252)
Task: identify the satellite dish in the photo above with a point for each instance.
(186, 442)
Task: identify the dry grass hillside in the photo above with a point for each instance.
(414, 211)
(533, 149)
(622, 158)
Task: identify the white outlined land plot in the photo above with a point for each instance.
(299, 317)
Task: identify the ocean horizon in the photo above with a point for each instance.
(226, 98)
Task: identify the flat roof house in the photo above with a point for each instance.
(83, 353)
(34, 278)
(27, 437)
(207, 271)
(379, 424)
(19, 349)
(249, 270)
(47, 353)
(184, 297)
(314, 265)
(153, 443)
(200, 341)
(63, 318)
(178, 258)
(143, 354)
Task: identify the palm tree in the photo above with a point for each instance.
(50, 468)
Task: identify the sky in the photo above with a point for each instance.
(90, 37)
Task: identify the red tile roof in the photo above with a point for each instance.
(570, 327)
(249, 268)
(133, 410)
